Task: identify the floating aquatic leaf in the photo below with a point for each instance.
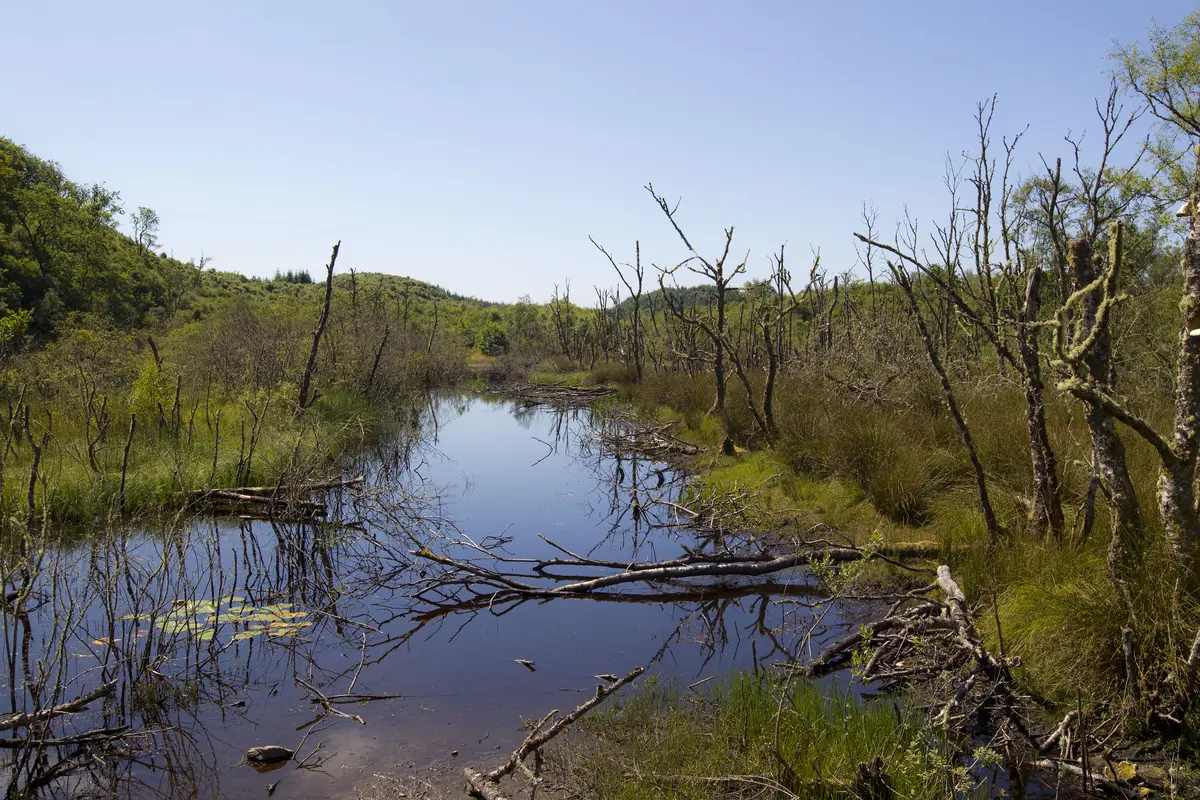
(275, 609)
(105, 641)
(286, 629)
(248, 634)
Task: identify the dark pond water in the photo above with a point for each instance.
(220, 634)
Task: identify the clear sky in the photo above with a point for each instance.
(476, 145)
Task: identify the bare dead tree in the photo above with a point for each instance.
(636, 295)
(1001, 302)
(305, 400)
(904, 280)
(714, 271)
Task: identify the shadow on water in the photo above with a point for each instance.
(187, 643)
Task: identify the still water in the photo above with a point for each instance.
(226, 634)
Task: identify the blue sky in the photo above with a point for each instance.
(478, 144)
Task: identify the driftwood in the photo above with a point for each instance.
(556, 394)
(972, 688)
(288, 497)
(95, 736)
(24, 719)
(539, 581)
(487, 785)
(629, 435)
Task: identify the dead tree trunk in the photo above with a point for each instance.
(1176, 483)
(305, 400)
(989, 515)
(714, 271)
(1127, 541)
(1093, 340)
(1047, 506)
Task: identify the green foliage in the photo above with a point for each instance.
(61, 252)
(1166, 71)
(153, 391)
(492, 339)
(13, 325)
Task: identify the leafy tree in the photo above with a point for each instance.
(145, 228)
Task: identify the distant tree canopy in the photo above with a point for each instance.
(293, 276)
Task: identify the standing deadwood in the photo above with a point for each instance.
(721, 344)
(1176, 483)
(125, 460)
(1047, 506)
(37, 451)
(305, 400)
(636, 294)
(387, 329)
(432, 329)
(989, 297)
(771, 328)
(904, 281)
(560, 312)
(715, 272)
(1086, 348)
(870, 219)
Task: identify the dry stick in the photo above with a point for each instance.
(304, 401)
(212, 476)
(935, 360)
(87, 737)
(1046, 744)
(486, 785)
(1109, 787)
(22, 719)
(327, 704)
(125, 459)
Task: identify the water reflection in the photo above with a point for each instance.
(326, 636)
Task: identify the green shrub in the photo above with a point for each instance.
(152, 390)
(492, 339)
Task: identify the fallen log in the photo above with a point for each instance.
(282, 489)
(24, 719)
(693, 565)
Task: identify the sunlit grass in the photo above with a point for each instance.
(752, 737)
(165, 462)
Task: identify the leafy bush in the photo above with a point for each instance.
(152, 390)
(492, 339)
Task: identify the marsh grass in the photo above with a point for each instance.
(897, 469)
(752, 736)
(165, 461)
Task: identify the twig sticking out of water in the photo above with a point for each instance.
(487, 785)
